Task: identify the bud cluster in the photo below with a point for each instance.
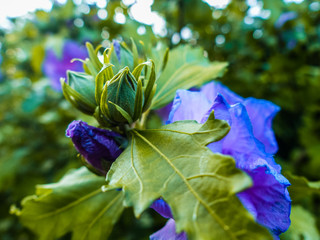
(113, 99)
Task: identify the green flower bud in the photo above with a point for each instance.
(79, 90)
(122, 98)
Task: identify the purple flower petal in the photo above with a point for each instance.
(262, 113)
(117, 49)
(55, 68)
(185, 99)
(250, 142)
(98, 146)
(162, 208)
(268, 200)
(168, 232)
(212, 89)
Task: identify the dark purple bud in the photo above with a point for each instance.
(99, 147)
(117, 50)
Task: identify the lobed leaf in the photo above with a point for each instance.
(182, 68)
(75, 204)
(174, 163)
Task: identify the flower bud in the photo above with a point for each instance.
(99, 147)
(122, 98)
(79, 90)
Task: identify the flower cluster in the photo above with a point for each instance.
(113, 99)
(250, 142)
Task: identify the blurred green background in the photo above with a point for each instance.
(273, 50)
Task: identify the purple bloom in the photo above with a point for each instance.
(285, 17)
(1, 76)
(99, 147)
(117, 49)
(55, 67)
(250, 142)
(168, 232)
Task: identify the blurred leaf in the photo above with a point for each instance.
(186, 67)
(301, 187)
(303, 226)
(75, 204)
(9, 165)
(37, 55)
(199, 186)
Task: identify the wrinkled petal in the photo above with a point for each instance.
(168, 232)
(96, 145)
(268, 200)
(261, 113)
(212, 89)
(162, 208)
(183, 106)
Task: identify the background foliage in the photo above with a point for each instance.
(270, 56)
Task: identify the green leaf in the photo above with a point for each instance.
(303, 225)
(301, 187)
(93, 57)
(185, 67)
(174, 163)
(10, 162)
(75, 204)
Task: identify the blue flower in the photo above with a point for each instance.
(251, 142)
(117, 49)
(99, 147)
(285, 17)
(1, 75)
(55, 67)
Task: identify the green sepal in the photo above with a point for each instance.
(84, 84)
(135, 54)
(122, 112)
(76, 99)
(138, 69)
(101, 119)
(93, 57)
(138, 101)
(106, 55)
(102, 77)
(103, 102)
(150, 88)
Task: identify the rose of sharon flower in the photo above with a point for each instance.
(99, 147)
(55, 67)
(251, 142)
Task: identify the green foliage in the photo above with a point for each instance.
(33, 118)
(185, 67)
(301, 188)
(199, 186)
(303, 226)
(74, 204)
